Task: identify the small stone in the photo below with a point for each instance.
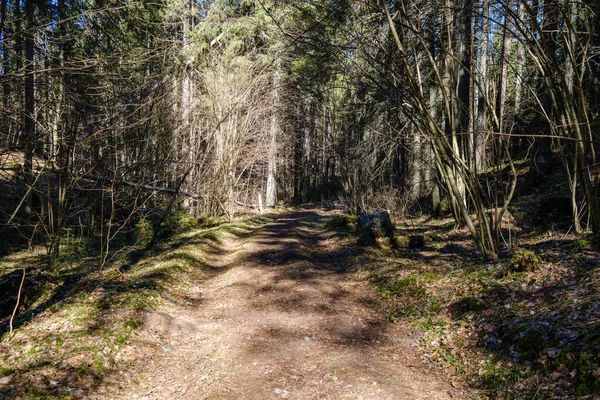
(282, 392)
(53, 383)
(5, 380)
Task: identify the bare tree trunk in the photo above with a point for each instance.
(186, 101)
(5, 124)
(29, 127)
(570, 63)
(503, 82)
(462, 74)
(483, 92)
(271, 197)
(520, 67)
(17, 138)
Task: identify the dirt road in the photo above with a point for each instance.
(288, 319)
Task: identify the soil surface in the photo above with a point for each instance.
(287, 319)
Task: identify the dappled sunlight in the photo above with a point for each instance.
(80, 332)
(509, 331)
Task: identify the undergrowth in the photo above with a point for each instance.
(79, 325)
(524, 327)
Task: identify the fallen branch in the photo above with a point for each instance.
(141, 186)
(12, 317)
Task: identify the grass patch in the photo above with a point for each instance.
(521, 327)
(83, 322)
(407, 297)
(338, 223)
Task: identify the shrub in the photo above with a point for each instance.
(71, 247)
(143, 232)
(524, 260)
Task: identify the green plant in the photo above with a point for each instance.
(143, 232)
(402, 242)
(524, 261)
(71, 247)
(131, 323)
(581, 245)
(7, 371)
(210, 222)
(408, 298)
(335, 222)
(177, 222)
(522, 218)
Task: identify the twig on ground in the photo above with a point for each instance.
(12, 317)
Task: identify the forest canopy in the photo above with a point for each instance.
(115, 112)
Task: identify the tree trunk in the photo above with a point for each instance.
(187, 139)
(520, 61)
(5, 123)
(483, 92)
(29, 128)
(271, 197)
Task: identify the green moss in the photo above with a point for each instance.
(499, 377)
(402, 242)
(524, 261)
(5, 371)
(409, 298)
(365, 239)
(583, 365)
(131, 323)
(340, 222)
(99, 363)
(522, 218)
(581, 245)
(210, 222)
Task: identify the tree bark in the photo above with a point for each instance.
(29, 125)
(483, 92)
(271, 197)
(5, 123)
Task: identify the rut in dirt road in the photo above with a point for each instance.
(288, 319)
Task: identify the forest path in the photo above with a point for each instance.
(286, 320)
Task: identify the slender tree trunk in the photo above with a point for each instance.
(271, 197)
(463, 46)
(520, 61)
(570, 65)
(17, 138)
(186, 103)
(548, 27)
(29, 128)
(483, 92)
(5, 123)
(503, 80)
